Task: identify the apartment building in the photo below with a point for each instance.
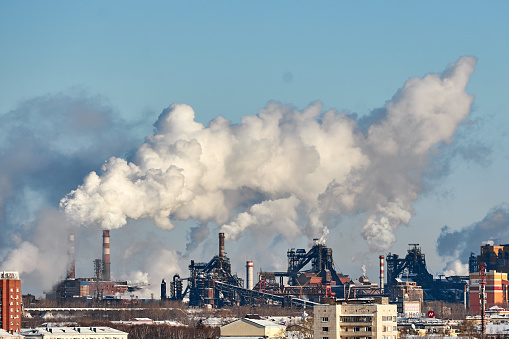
(10, 301)
(356, 319)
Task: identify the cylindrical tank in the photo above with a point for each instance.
(249, 275)
(221, 244)
(382, 273)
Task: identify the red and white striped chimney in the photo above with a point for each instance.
(106, 256)
(382, 273)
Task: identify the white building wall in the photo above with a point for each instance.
(355, 321)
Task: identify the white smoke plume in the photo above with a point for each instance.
(42, 261)
(283, 170)
(492, 230)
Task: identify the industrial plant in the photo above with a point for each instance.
(98, 287)
(310, 278)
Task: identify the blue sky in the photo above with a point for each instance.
(126, 61)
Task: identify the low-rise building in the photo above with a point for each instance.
(356, 318)
(253, 328)
(74, 332)
(8, 335)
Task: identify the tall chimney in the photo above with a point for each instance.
(71, 269)
(221, 244)
(106, 256)
(249, 275)
(382, 273)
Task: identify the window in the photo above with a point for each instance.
(369, 329)
(12, 290)
(325, 329)
(325, 337)
(356, 329)
(325, 319)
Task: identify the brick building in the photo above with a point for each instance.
(10, 301)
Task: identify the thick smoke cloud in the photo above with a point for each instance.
(47, 145)
(494, 227)
(283, 171)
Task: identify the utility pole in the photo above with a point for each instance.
(482, 298)
(98, 266)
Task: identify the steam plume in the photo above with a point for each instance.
(459, 244)
(283, 170)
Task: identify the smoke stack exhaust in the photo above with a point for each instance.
(71, 270)
(249, 275)
(106, 256)
(221, 244)
(382, 273)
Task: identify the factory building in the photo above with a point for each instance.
(10, 301)
(413, 268)
(97, 287)
(492, 257)
(496, 290)
(356, 318)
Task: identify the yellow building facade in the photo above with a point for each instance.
(496, 290)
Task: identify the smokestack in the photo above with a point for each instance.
(71, 270)
(249, 275)
(106, 256)
(221, 244)
(382, 273)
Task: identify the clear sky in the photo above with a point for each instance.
(83, 81)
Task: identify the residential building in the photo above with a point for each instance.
(356, 318)
(10, 301)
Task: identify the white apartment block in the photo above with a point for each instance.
(356, 319)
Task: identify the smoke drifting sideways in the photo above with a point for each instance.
(459, 244)
(284, 171)
(47, 145)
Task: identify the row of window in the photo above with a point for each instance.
(357, 329)
(12, 297)
(12, 290)
(357, 319)
(389, 318)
